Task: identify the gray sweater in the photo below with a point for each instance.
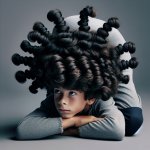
(45, 120)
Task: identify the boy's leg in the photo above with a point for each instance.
(133, 119)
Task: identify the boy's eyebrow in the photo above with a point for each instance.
(76, 91)
(56, 89)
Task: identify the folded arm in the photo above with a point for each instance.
(109, 123)
(110, 127)
(38, 125)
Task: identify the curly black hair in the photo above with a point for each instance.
(78, 60)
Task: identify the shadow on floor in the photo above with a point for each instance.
(8, 131)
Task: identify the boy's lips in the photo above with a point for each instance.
(63, 110)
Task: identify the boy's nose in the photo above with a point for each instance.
(63, 101)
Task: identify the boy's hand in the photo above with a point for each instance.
(78, 121)
(82, 120)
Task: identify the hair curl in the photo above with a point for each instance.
(76, 60)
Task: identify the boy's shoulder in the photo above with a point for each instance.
(99, 105)
(102, 103)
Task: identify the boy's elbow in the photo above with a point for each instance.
(20, 133)
(118, 131)
(119, 135)
(23, 131)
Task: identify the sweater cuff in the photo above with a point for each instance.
(60, 125)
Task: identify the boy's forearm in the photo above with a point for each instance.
(37, 127)
(67, 123)
(71, 125)
(82, 120)
(77, 121)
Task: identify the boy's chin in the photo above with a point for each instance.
(67, 117)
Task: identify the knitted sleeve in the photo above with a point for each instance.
(38, 124)
(111, 127)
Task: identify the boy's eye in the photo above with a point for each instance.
(57, 91)
(72, 93)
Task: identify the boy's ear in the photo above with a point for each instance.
(90, 101)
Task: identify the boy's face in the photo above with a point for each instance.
(70, 102)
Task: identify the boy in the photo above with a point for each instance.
(83, 73)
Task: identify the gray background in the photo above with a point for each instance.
(16, 20)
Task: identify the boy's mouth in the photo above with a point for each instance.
(63, 110)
